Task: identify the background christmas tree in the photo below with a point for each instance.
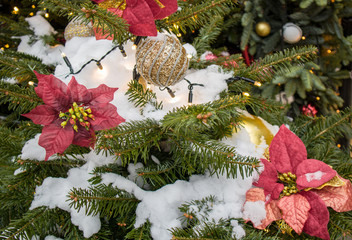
(173, 169)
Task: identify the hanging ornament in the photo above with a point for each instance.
(76, 28)
(259, 131)
(161, 60)
(291, 33)
(262, 29)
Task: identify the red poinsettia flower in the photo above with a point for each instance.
(141, 15)
(299, 190)
(72, 113)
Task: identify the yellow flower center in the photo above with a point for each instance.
(77, 113)
(289, 181)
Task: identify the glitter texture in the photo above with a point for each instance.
(120, 4)
(162, 60)
(77, 29)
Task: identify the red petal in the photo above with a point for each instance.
(295, 210)
(339, 198)
(255, 194)
(170, 6)
(42, 114)
(318, 217)
(84, 137)
(287, 150)
(106, 116)
(273, 213)
(53, 91)
(313, 173)
(55, 139)
(102, 94)
(79, 93)
(140, 18)
(267, 180)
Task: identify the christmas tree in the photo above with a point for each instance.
(140, 125)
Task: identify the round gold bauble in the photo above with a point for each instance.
(262, 29)
(161, 60)
(76, 29)
(256, 129)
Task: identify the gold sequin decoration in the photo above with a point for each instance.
(334, 182)
(120, 4)
(162, 60)
(77, 29)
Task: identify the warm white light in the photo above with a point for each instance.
(46, 15)
(258, 84)
(189, 56)
(134, 47)
(246, 94)
(16, 9)
(31, 83)
(63, 54)
(174, 100)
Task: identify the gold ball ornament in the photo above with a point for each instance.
(76, 29)
(262, 29)
(257, 129)
(161, 60)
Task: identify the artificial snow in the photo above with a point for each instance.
(314, 176)
(40, 25)
(254, 211)
(161, 207)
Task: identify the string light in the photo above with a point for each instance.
(338, 145)
(258, 84)
(136, 42)
(246, 94)
(189, 56)
(190, 88)
(178, 35)
(46, 15)
(329, 51)
(317, 98)
(122, 50)
(99, 65)
(2, 49)
(303, 38)
(311, 71)
(31, 83)
(33, 6)
(31, 14)
(68, 63)
(7, 45)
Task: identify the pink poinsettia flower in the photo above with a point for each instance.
(71, 114)
(295, 189)
(141, 15)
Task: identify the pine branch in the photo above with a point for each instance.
(15, 28)
(278, 63)
(110, 24)
(132, 140)
(25, 227)
(105, 200)
(141, 233)
(208, 35)
(141, 97)
(19, 99)
(20, 66)
(193, 17)
(197, 156)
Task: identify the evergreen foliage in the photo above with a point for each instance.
(187, 141)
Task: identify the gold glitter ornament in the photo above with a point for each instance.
(76, 29)
(120, 4)
(162, 60)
